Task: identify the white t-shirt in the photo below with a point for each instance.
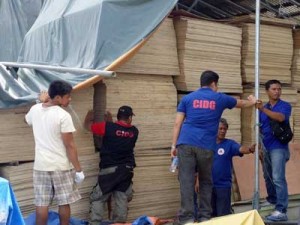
(48, 124)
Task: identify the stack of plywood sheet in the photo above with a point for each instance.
(154, 186)
(204, 45)
(153, 99)
(233, 118)
(276, 51)
(158, 56)
(16, 139)
(14, 131)
(20, 178)
(296, 60)
(156, 189)
(289, 94)
(296, 112)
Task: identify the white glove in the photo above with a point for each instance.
(79, 177)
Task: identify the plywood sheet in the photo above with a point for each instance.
(158, 56)
(204, 45)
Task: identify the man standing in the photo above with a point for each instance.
(55, 154)
(275, 154)
(222, 170)
(116, 164)
(194, 139)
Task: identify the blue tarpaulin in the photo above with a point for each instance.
(10, 213)
(53, 219)
(83, 34)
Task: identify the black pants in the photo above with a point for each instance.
(221, 201)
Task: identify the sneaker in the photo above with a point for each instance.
(266, 204)
(277, 216)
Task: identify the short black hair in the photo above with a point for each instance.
(270, 82)
(208, 77)
(224, 122)
(59, 87)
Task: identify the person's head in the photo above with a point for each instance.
(223, 127)
(125, 113)
(273, 89)
(209, 79)
(60, 92)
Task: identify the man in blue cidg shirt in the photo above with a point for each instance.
(194, 139)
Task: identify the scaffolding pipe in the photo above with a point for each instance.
(255, 203)
(102, 73)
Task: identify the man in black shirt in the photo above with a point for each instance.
(116, 164)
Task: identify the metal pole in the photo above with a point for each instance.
(102, 73)
(255, 202)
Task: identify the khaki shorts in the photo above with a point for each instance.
(54, 185)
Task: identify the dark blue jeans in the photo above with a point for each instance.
(274, 174)
(189, 158)
(221, 201)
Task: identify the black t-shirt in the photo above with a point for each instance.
(118, 143)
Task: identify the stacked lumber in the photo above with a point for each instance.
(154, 186)
(276, 51)
(289, 94)
(14, 131)
(296, 113)
(20, 178)
(233, 118)
(153, 99)
(204, 45)
(158, 56)
(16, 138)
(156, 190)
(296, 60)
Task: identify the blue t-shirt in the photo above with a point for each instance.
(203, 109)
(222, 165)
(269, 140)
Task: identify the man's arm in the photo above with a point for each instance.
(89, 120)
(280, 117)
(69, 143)
(241, 103)
(176, 130)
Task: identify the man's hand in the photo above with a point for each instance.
(252, 148)
(89, 119)
(259, 104)
(252, 99)
(173, 151)
(108, 117)
(247, 150)
(79, 177)
(44, 97)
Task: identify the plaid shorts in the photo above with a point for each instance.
(54, 185)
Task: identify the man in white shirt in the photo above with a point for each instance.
(56, 165)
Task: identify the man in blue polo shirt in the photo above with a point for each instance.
(194, 139)
(275, 154)
(222, 169)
